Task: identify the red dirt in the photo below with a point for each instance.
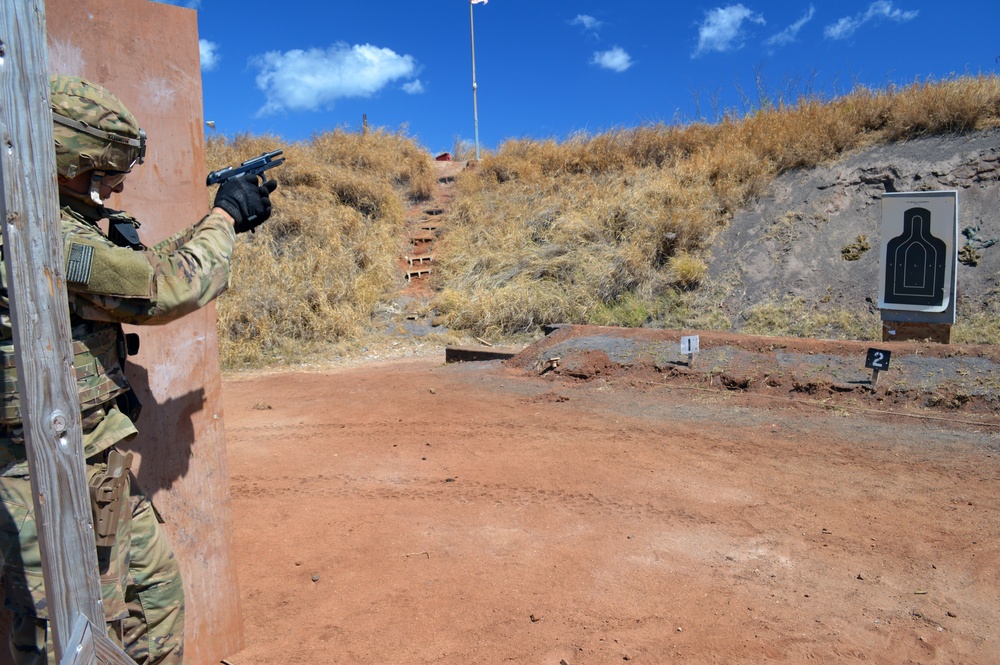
(415, 512)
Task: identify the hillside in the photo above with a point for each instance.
(786, 250)
(648, 226)
(799, 256)
(764, 224)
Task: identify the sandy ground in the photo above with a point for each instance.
(415, 512)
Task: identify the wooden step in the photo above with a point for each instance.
(423, 237)
(419, 259)
(416, 273)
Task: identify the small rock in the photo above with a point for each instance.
(315, 578)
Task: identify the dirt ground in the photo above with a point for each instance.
(409, 511)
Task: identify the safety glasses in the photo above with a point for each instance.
(114, 178)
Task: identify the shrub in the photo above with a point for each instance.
(313, 276)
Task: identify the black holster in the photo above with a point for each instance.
(128, 403)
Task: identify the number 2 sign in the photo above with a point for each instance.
(878, 359)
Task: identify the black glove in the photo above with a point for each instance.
(248, 203)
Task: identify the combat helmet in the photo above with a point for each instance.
(93, 130)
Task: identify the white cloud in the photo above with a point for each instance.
(722, 29)
(414, 87)
(587, 22)
(882, 9)
(209, 54)
(615, 59)
(314, 79)
(789, 34)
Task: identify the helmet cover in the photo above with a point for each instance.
(93, 129)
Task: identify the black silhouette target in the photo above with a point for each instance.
(915, 263)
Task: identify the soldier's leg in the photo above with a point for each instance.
(30, 639)
(154, 629)
(22, 573)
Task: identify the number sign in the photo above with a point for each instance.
(878, 359)
(689, 344)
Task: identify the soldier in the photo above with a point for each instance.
(111, 279)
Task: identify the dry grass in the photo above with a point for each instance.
(312, 277)
(610, 229)
(794, 317)
(978, 322)
(607, 228)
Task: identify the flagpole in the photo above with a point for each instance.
(475, 107)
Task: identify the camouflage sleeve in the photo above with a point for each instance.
(174, 242)
(175, 277)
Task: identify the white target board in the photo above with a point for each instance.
(919, 251)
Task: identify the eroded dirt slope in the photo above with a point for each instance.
(791, 242)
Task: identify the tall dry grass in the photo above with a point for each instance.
(314, 274)
(614, 228)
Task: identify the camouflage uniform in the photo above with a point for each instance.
(107, 285)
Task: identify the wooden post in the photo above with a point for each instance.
(33, 256)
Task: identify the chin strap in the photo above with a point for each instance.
(95, 188)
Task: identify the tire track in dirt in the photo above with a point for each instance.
(343, 486)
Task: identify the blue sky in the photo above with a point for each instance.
(550, 68)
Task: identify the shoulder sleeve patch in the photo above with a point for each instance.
(121, 272)
(108, 270)
(79, 263)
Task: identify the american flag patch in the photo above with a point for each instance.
(81, 259)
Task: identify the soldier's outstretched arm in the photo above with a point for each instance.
(174, 278)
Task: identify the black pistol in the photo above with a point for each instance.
(255, 166)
